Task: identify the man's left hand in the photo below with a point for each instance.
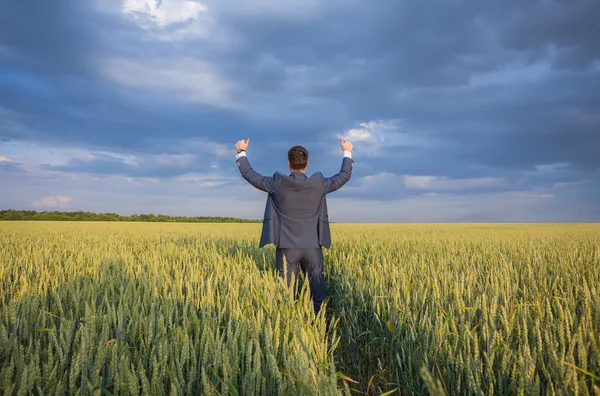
(242, 145)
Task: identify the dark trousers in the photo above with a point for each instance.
(311, 262)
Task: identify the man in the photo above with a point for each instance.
(296, 219)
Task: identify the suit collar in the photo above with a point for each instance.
(298, 175)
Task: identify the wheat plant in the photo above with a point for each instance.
(145, 308)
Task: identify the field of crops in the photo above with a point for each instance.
(113, 308)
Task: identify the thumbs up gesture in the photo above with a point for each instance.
(242, 144)
(346, 145)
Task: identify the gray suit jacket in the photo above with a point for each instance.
(296, 211)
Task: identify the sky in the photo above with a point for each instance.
(459, 111)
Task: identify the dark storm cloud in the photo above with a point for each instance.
(485, 90)
(375, 52)
(109, 165)
(48, 37)
(372, 51)
(403, 44)
(516, 127)
(570, 27)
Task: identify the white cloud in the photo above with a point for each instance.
(211, 147)
(368, 131)
(4, 159)
(570, 184)
(530, 195)
(206, 179)
(379, 177)
(358, 135)
(149, 161)
(553, 167)
(452, 207)
(440, 183)
(128, 159)
(178, 160)
(185, 79)
(165, 12)
(378, 135)
(388, 184)
(58, 201)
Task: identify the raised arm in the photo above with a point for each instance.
(335, 182)
(259, 181)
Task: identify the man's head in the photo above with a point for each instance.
(297, 159)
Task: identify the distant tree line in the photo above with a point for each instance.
(32, 215)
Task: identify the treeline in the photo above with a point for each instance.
(32, 215)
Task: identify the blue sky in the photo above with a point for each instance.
(458, 110)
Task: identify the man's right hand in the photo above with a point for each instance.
(242, 144)
(346, 146)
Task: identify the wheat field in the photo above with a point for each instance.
(154, 308)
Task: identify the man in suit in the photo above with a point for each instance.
(296, 219)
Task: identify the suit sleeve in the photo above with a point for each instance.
(263, 183)
(335, 182)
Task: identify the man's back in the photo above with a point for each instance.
(296, 219)
(298, 196)
(296, 210)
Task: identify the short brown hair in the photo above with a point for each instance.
(298, 157)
